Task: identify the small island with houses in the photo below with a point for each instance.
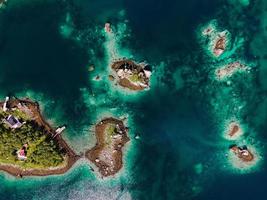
(29, 146)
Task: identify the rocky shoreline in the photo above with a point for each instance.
(131, 75)
(229, 69)
(218, 41)
(33, 110)
(219, 45)
(233, 130)
(107, 154)
(242, 153)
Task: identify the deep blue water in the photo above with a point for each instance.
(175, 124)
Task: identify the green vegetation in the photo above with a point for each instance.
(15, 112)
(110, 131)
(135, 78)
(42, 151)
(19, 114)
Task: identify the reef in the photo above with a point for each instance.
(218, 41)
(208, 31)
(224, 54)
(108, 27)
(131, 75)
(229, 69)
(107, 154)
(242, 153)
(29, 146)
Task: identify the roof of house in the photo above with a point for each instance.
(22, 152)
(12, 120)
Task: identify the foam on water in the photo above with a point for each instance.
(113, 47)
(78, 183)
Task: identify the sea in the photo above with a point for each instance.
(47, 48)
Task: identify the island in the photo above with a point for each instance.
(242, 153)
(107, 154)
(229, 69)
(131, 75)
(233, 131)
(219, 43)
(29, 146)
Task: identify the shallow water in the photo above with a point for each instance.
(46, 48)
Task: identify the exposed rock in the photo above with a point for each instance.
(91, 68)
(242, 152)
(132, 75)
(111, 78)
(111, 135)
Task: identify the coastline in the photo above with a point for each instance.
(69, 160)
(124, 69)
(93, 154)
(20, 172)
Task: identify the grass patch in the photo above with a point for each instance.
(135, 78)
(110, 132)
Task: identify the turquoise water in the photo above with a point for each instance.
(46, 48)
